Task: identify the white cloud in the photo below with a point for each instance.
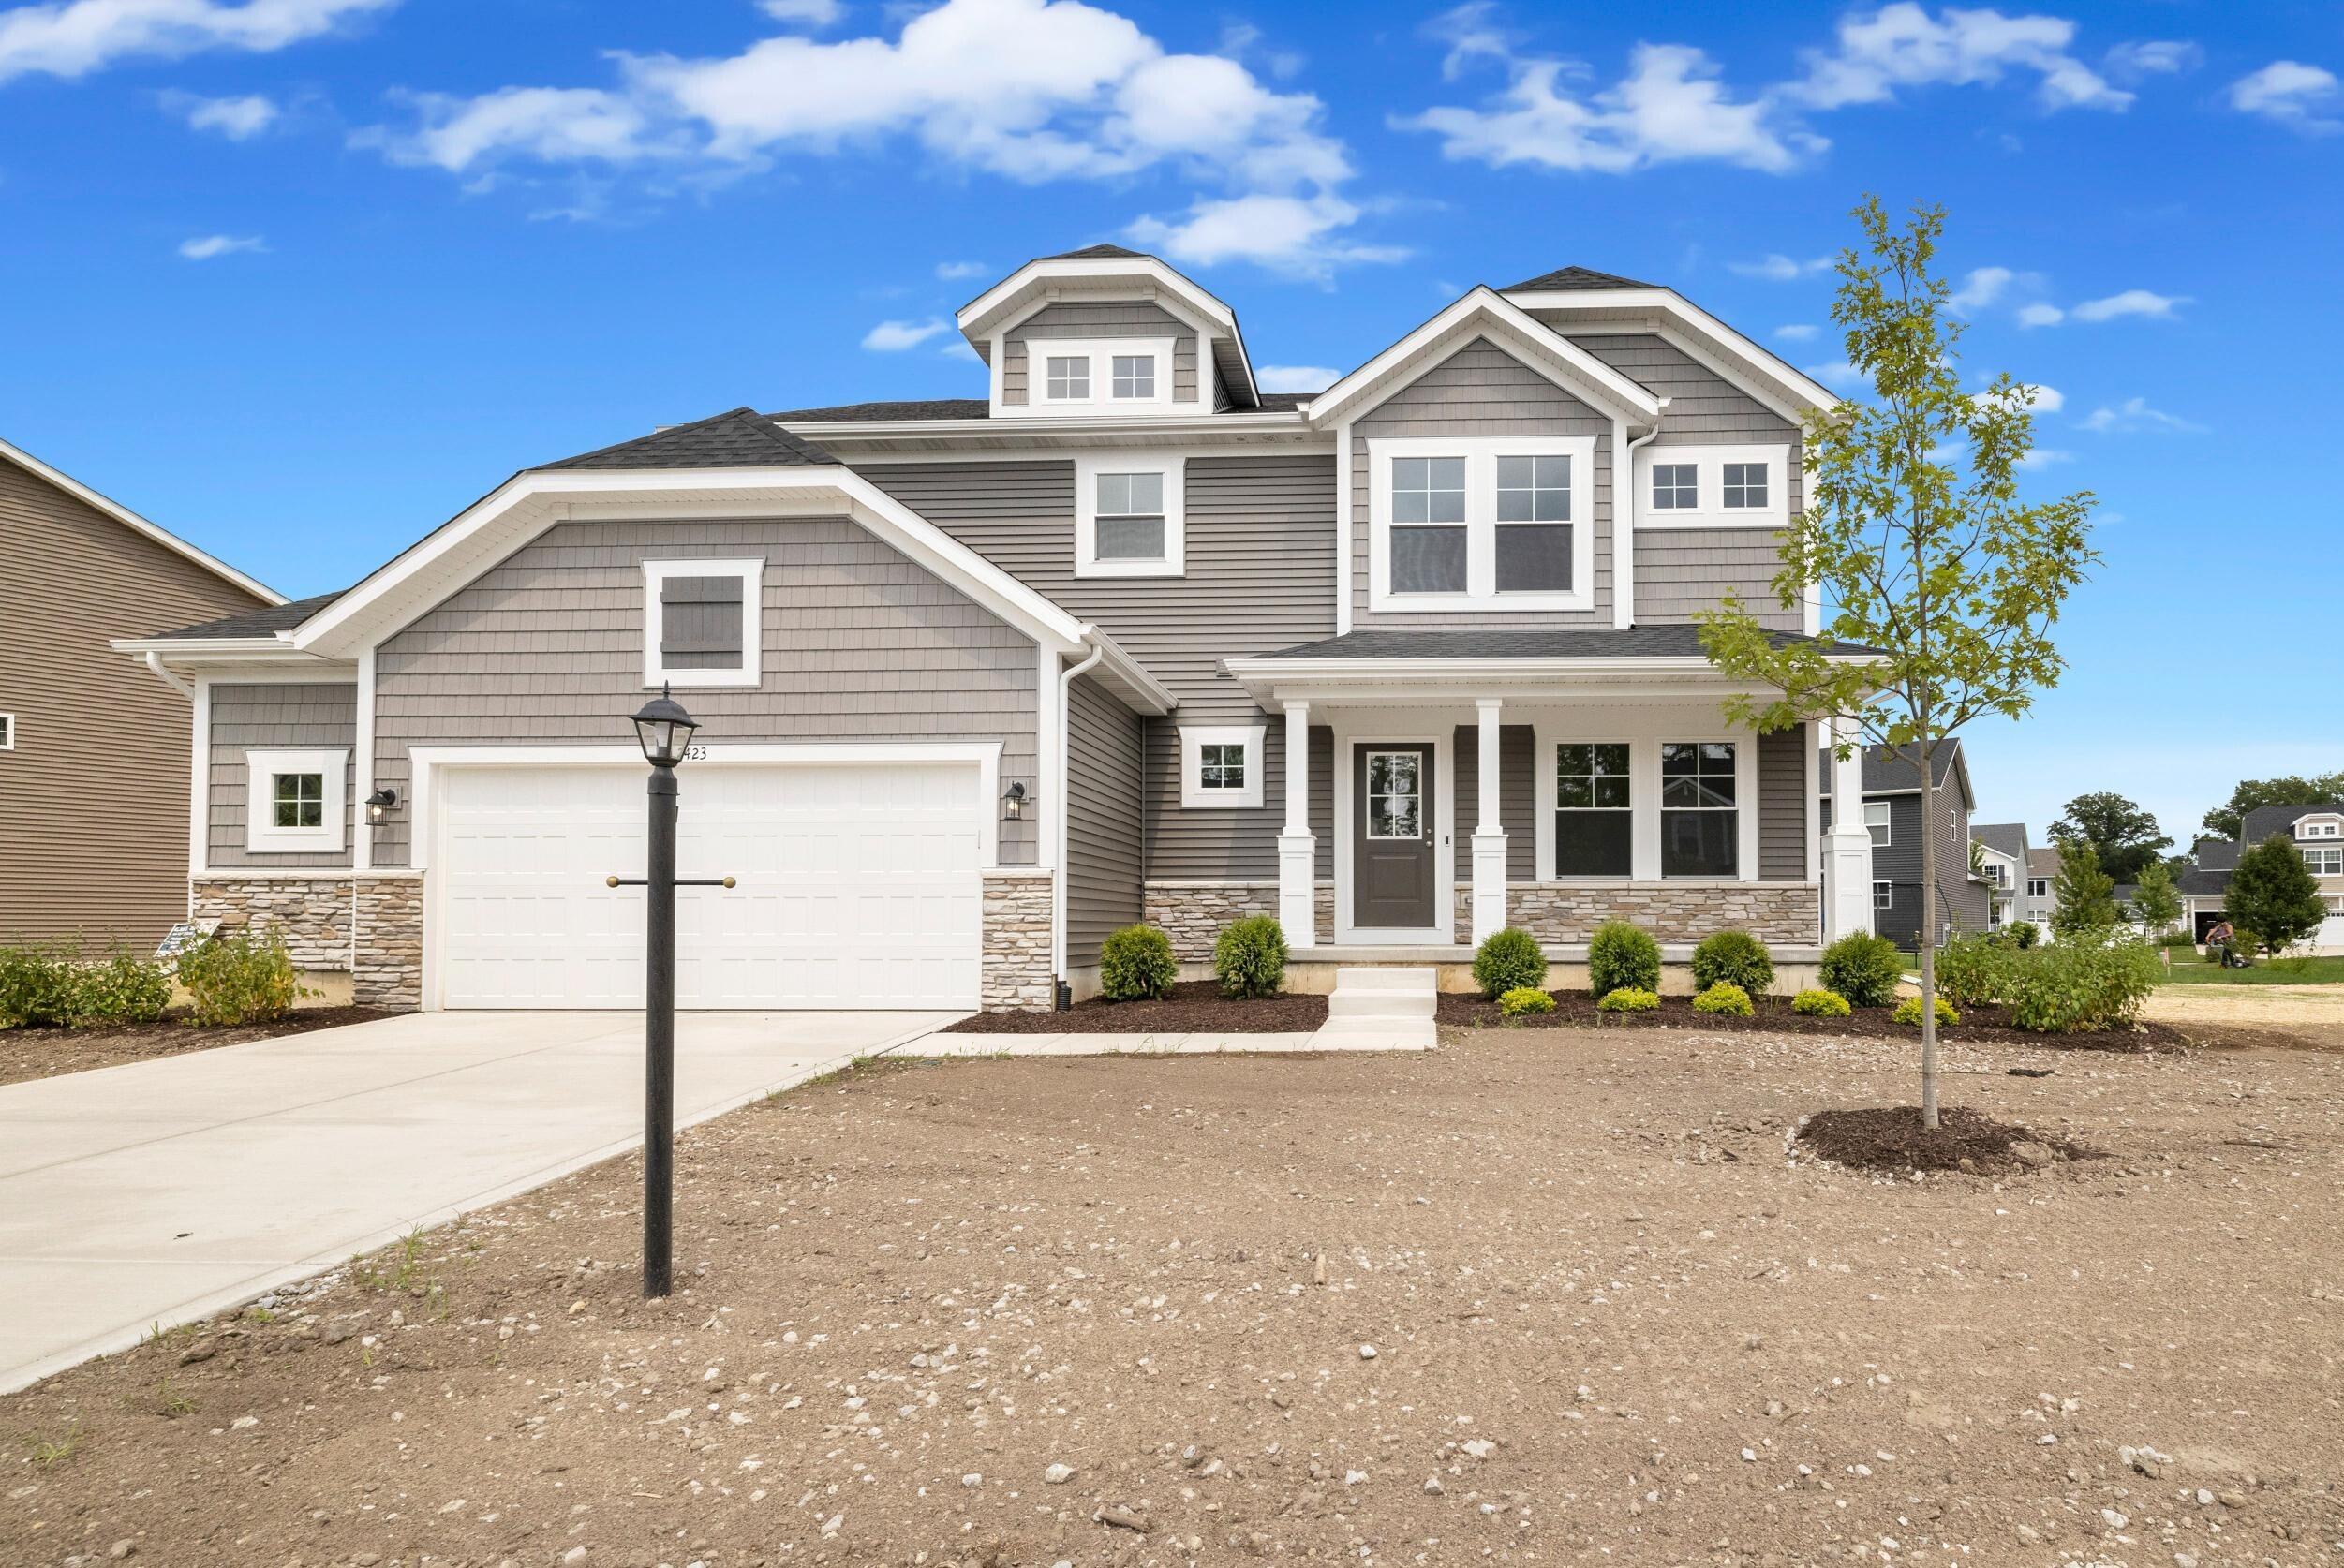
(803, 13)
(1839, 376)
(1799, 331)
(2044, 457)
(555, 125)
(2144, 57)
(1980, 289)
(894, 337)
(2291, 92)
(237, 119)
(2040, 315)
(1903, 46)
(1472, 36)
(1296, 377)
(74, 37)
(2135, 413)
(1286, 233)
(2132, 302)
(950, 271)
(209, 246)
(1777, 267)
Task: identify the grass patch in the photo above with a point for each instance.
(2192, 968)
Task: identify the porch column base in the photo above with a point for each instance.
(1847, 881)
(1298, 888)
(1488, 884)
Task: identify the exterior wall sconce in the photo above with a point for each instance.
(382, 800)
(1014, 802)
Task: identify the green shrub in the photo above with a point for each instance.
(1735, 958)
(246, 978)
(1908, 1012)
(1975, 970)
(2025, 933)
(1862, 969)
(2084, 984)
(1524, 999)
(1724, 999)
(1821, 1004)
(1629, 998)
(1136, 964)
(1621, 956)
(1250, 956)
(37, 986)
(125, 988)
(1510, 961)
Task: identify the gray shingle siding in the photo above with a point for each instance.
(278, 716)
(1097, 319)
(1103, 819)
(859, 644)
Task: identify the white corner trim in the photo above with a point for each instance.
(1481, 453)
(750, 572)
(1347, 529)
(1195, 796)
(262, 767)
(1710, 479)
(1088, 468)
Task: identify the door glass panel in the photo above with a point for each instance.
(1395, 795)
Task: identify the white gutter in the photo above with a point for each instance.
(163, 672)
(1623, 546)
(1093, 638)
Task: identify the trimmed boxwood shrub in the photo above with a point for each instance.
(1908, 1012)
(246, 978)
(1629, 998)
(1250, 956)
(1864, 968)
(1621, 956)
(1510, 961)
(1821, 1004)
(1136, 964)
(1735, 958)
(1524, 999)
(1724, 999)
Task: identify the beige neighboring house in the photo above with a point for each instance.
(94, 765)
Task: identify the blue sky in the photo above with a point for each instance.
(300, 279)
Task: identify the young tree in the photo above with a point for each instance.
(2273, 895)
(2085, 897)
(1943, 584)
(2154, 898)
(2229, 821)
(2125, 835)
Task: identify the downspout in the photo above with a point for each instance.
(1065, 770)
(1623, 551)
(162, 673)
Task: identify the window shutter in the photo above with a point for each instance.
(701, 623)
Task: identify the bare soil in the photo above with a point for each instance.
(45, 1053)
(1556, 1295)
(1892, 1138)
(1194, 1007)
(1773, 1015)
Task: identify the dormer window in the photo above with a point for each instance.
(1103, 377)
(1134, 376)
(1068, 378)
(2319, 827)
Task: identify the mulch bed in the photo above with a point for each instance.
(44, 1053)
(1890, 1138)
(1194, 1007)
(1576, 1009)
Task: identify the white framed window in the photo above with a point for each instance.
(1595, 811)
(1132, 375)
(1221, 766)
(295, 800)
(1481, 523)
(1877, 816)
(1884, 896)
(2037, 887)
(1066, 379)
(1099, 375)
(1713, 487)
(1128, 515)
(8, 732)
(2319, 827)
(1700, 817)
(701, 623)
(2326, 862)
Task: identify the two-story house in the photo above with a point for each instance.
(2317, 832)
(2000, 854)
(1894, 818)
(1124, 638)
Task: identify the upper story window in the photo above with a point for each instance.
(1877, 818)
(700, 624)
(1097, 376)
(293, 800)
(1066, 377)
(1134, 376)
(1996, 874)
(1128, 515)
(2326, 862)
(2039, 887)
(2319, 827)
(1713, 487)
(1480, 523)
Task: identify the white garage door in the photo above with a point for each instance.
(859, 886)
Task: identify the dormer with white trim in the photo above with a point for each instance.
(1106, 333)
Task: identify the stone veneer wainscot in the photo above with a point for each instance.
(319, 916)
(1564, 915)
(1193, 913)
(1017, 971)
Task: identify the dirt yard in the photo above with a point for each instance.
(1549, 1296)
(45, 1053)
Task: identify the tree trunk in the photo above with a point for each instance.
(1927, 940)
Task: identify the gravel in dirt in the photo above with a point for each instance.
(45, 1053)
(1892, 1138)
(1561, 1296)
(1194, 1007)
(1773, 1015)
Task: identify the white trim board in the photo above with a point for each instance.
(1484, 312)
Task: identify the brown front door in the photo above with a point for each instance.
(1392, 858)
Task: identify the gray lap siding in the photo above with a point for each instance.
(859, 644)
(1104, 742)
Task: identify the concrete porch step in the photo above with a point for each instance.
(1382, 994)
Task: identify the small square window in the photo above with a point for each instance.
(1221, 767)
(294, 800)
(1134, 376)
(1067, 377)
(299, 800)
(1676, 486)
(1745, 484)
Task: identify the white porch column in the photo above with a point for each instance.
(1489, 834)
(1297, 851)
(1848, 846)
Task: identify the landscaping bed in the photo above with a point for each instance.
(1892, 1138)
(44, 1053)
(1194, 1007)
(1772, 1014)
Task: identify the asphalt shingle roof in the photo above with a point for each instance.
(2265, 821)
(736, 438)
(1640, 641)
(2008, 838)
(1575, 277)
(1100, 252)
(264, 621)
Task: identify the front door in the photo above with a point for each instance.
(1392, 856)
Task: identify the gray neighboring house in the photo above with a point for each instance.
(1123, 638)
(1893, 816)
(2316, 831)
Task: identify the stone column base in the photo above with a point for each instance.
(1017, 971)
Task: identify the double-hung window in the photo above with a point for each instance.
(1128, 515)
(701, 621)
(1884, 896)
(2326, 862)
(1534, 514)
(1877, 818)
(293, 800)
(1595, 819)
(2037, 887)
(1699, 814)
(1429, 527)
(1480, 523)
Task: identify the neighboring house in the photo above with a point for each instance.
(1125, 638)
(1892, 816)
(95, 783)
(2042, 882)
(2002, 860)
(2316, 831)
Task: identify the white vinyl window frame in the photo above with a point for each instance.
(1643, 737)
(1194, 795)
(1710, 511)
(1879, 821)
(1482, 589)
(1099, 355)
(264, 768)
(8, 732)
(2324, 861)
(752, 575)
(1088, 468)
(1884, 896)
(2310, 827)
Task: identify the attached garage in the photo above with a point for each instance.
(859, 884)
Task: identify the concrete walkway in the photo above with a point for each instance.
(160, 1191)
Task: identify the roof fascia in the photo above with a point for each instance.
(138, 525)
(1184, 426)
(1140, 691)
(986, 315)
(1670, 302)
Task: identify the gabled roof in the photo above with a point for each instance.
(264, 621)
(2006, 838)
(135, 524)
(2044, 860)
(1899, 774)
(1100, 253)
(1110, 272)
(1621, 304)
(1575, 277)
(2265, 821)
(736, 438)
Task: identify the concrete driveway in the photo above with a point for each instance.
(160, 1191)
